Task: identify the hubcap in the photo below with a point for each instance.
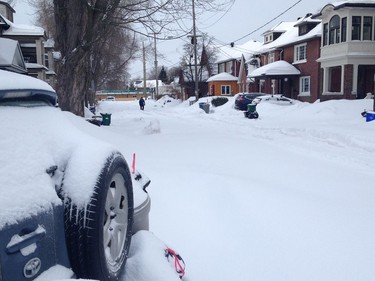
(115, 221)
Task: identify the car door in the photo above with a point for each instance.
(33, 245)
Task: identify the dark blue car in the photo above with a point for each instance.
(66, 199)
(243, 99)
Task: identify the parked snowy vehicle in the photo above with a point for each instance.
(67, 200)
(275, 99)
(242, 100)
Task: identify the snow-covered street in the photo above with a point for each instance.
(289, 196)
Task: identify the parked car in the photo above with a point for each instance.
(68, 202)
(110, 98)
(275, 99)
(243, 99)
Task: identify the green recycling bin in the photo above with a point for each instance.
(106, 119)
(251, 108)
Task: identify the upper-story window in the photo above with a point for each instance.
(271, 57)
(229, 67)
(300, 53)
(268, 38)
(356, 27)
(367, 28)
(334, 30)
(344, 23)
(221, 67)
(325, 34)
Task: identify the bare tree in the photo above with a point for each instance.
(44, 15)
(206, 59)
(85, 32)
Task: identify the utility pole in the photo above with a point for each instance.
(156, 68)
(196, 89)
(144, 69)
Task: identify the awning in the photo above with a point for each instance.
(275, 70)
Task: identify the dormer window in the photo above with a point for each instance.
(6, 11)
(268, 38)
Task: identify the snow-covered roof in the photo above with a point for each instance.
(14, 81)
(11, 55)
(291, 36)
(281, 27)
(352, 3)
(22, 29)
(222, 77)
(226, 52)
(35, 66)
(277, 68)
(149, 83)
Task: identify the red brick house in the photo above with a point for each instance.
(232, 60)
(297, 44)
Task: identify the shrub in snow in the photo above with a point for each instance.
(219, 101)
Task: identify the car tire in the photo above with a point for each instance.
(98, 238)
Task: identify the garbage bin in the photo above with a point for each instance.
(205, 106)
(251, 111)
(106, 121)
(251, 108)
(370, 116)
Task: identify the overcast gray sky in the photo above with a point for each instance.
(243, 17)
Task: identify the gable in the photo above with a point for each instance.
(11, 57)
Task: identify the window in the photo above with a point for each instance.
(343, 29)
(225, 89)
(367, 28)
(334, 30)
(221, 67)
(304, 83)
(229, 67)
(300, 53)
(46, 62)
(271, 57)
(356, 28)
(335, 79)
(325, 34)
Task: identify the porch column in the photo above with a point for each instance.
(325, 80)
(342, 87)
(355, 80)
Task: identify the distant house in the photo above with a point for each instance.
(288, 60)
(347, 53)
(223, 84)
(235, 60)
(37, 51)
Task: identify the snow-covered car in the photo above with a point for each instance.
(110, 98)
(69, 203)
(276, 99)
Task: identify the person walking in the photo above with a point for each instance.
(142, 103)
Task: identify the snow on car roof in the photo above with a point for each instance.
(14, 81)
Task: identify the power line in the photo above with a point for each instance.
(268, 22)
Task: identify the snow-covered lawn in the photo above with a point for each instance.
(289, 196)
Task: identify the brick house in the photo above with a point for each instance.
(232, 60)
(297, 44)
(347, 49)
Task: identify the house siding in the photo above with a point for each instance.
(214, 87)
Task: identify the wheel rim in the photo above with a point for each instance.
(115, 222)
